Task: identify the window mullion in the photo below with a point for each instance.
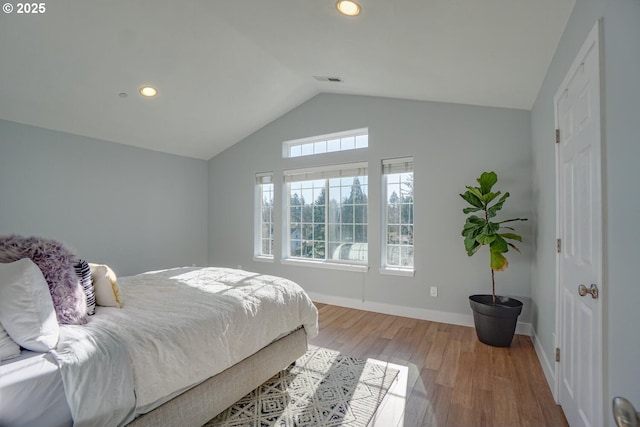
(288, 228)
(326, 219)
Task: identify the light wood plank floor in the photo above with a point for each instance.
(450, 378)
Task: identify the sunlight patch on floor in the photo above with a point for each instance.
(392, 408)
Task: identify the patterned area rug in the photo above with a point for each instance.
(323, 389)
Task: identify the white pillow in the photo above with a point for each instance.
(26, 308)
(105, 285)
(8, 347)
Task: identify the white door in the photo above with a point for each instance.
(577, 105)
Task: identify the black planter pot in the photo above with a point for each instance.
(495, 323)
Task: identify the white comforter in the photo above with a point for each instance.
(177, 328)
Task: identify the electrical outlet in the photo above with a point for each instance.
(433, 291)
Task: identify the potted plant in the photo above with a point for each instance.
(495, 316)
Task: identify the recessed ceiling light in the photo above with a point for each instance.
(148, 91)
(348, 7)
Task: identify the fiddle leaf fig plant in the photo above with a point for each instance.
(483, 230)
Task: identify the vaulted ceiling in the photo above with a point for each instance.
(224, 69)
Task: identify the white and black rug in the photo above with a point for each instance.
(323, 389)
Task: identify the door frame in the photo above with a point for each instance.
(593, 39)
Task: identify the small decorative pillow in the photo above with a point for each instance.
(8, 347)
(56, 264)
(105, 285)
(26, 307)
(84, 274)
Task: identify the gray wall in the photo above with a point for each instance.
(451, 145)
(621, 142)
(131, 208)
(543, 275)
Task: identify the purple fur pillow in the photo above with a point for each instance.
(57, 265)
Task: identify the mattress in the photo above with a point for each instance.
(31, 392)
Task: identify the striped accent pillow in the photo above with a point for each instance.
(84, 274)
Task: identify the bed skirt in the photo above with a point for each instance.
(203, 402)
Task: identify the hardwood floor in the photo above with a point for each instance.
(448, 378)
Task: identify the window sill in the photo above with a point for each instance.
(398, 272)
(260, 258)
(328, 265)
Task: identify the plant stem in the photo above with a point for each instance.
(493, 273)
(493, 286)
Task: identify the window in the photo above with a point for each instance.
(264, 223)
(341, 141)
(327, 214)
(397, 189)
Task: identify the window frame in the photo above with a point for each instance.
(325, 173)
(315, 143)
(262, 179)
(391, 167)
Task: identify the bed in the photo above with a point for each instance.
(186, 344)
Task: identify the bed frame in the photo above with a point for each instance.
(203, 402)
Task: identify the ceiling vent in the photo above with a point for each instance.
(328, 79)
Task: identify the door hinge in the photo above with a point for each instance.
(558, 245)
(557, 136)
(557, 354)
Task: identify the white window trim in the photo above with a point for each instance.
(398, 165)
(324, 172)
(286, 145)
(395, 165)
(393, 271)
(332, 265)
(257, 222)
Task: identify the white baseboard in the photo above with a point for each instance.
(412, 312)
(548, 368)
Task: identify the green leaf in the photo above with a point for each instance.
(512, 220)
(498, 261)
(472, 199)
(511, 236)
(512, 246)
(485, 239)
(469, 210)
(471, 246)
(499, 245)
(491, 228)
(489, 197)
(473, 226)
(486, 181)
(475, 191)
(471, 233)
(475, 219)
(493, 210)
